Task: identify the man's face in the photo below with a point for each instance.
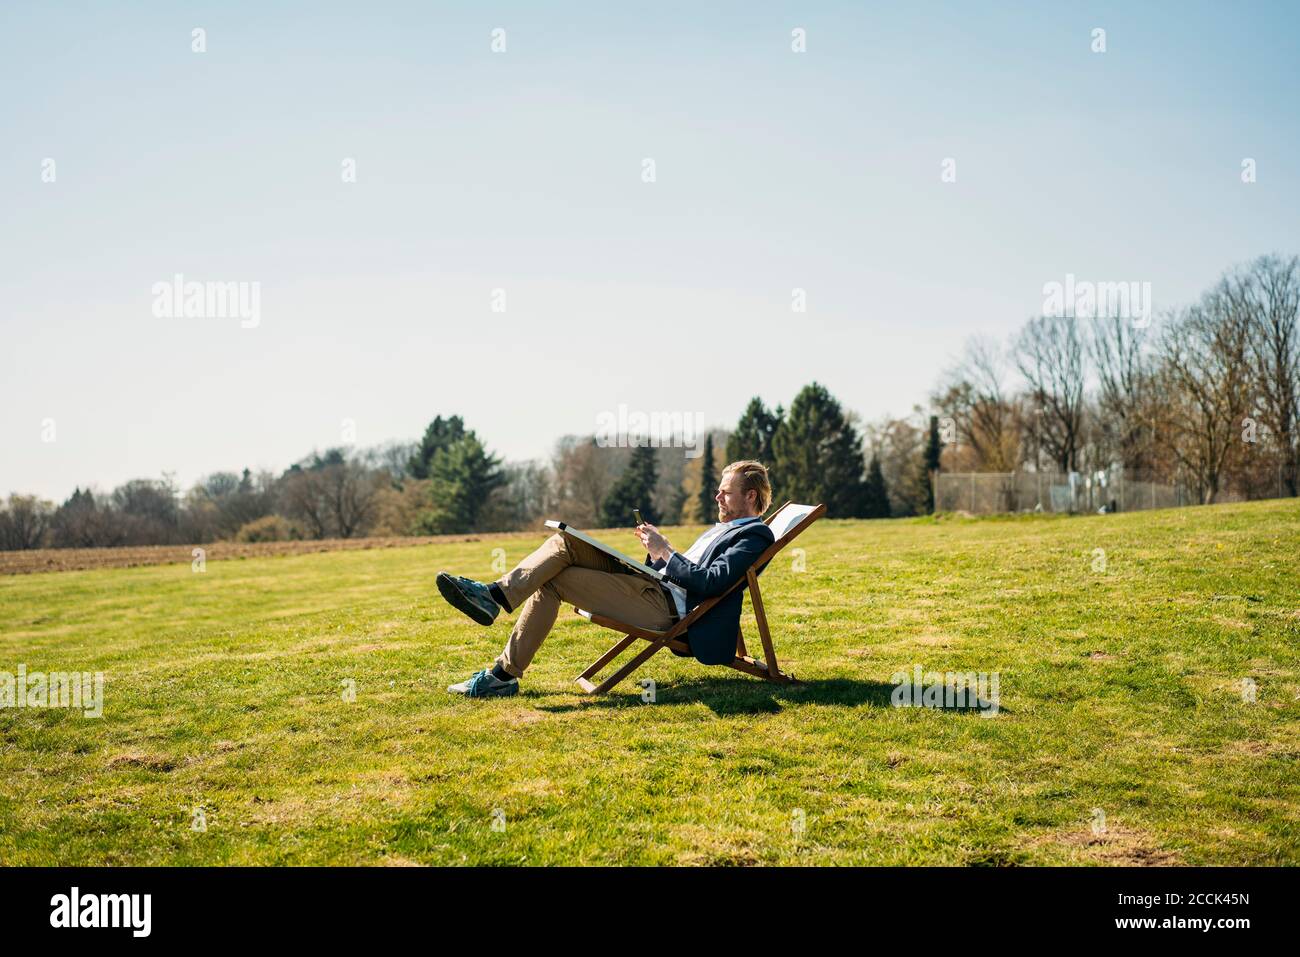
(732, 502)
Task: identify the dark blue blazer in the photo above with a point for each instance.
(713, 636)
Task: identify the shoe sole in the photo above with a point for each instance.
(456, 598)
(493, 694)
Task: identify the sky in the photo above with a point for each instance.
(524, 170)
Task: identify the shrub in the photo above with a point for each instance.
(269, 528)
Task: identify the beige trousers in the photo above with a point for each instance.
(565, 570)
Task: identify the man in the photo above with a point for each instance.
(566, 570)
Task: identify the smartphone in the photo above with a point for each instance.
(636, 513)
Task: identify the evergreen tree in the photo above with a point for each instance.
(818, 454)
(462, 476)
(83, 522)
(706, 509)
(80, 501)
(754, 436)
(930, 465)
(440, 434)
(674, 507)
(877, 493)
(632, 490)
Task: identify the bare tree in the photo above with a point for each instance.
(1050, 355)
(898, 444)
(332, 494)
(521, 502)
(24, 522)
(303, 498)
(975, 396)
(1204, 386)
(350, 490)
(583, 475)
(1118, 351)
(1268, 292)
(222, 503)
(148, 511)
(392, 457)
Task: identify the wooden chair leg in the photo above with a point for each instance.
(607, 657)
(740, 644)
(756, 598)
(627, 669)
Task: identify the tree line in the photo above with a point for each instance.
(1208, 398)
(449, 482)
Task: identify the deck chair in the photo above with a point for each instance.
(786, 523)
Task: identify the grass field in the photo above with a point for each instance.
(1120, 689)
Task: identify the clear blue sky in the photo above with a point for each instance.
(522, 171)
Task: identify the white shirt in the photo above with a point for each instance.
(696, 552)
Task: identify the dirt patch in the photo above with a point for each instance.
(82, 559)
(137, 759)
(1100, 656)
(1116, 845)
(1260, 749)
(1254, 749)
(1236, 624)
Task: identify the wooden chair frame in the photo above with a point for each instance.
(767, 669)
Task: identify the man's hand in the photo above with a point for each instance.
(654, 543)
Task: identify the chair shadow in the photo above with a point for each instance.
(742, 695)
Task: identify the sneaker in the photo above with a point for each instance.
(484, 684)
(469, 596)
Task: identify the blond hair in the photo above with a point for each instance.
(753, 475)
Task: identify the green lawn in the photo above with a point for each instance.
(1120, 691)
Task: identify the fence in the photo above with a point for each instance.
(983, 493)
